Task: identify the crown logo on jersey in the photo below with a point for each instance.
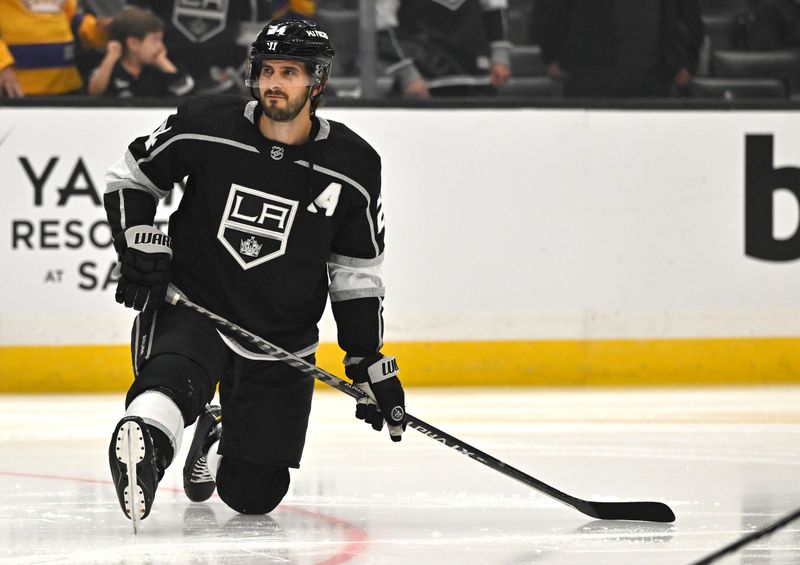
(250, 247)
(276, 152)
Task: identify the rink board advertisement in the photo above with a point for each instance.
(524, 246)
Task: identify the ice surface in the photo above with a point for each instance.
(726, 460)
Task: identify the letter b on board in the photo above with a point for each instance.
(762, 179)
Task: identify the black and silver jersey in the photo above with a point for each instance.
(264, 231)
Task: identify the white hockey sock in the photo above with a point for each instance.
(160, 411)
(213, 459)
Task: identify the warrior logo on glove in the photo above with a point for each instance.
(144, 267)
(376, 375)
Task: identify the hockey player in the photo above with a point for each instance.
(281, 208)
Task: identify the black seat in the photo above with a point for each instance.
(737, 88)
(526, 60)
(725, 6)
(783, 65)
(531, 87)
(722, 29)
(350, 87)
(342, 26)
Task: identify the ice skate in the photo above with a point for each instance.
(198, 484)
(132, 459)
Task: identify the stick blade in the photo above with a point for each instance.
(638, 511)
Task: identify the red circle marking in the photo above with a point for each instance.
(357, 538)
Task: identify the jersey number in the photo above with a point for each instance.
(381, 218)
(154, 136)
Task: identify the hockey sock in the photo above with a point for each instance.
(165, 420)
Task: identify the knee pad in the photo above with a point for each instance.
(251, 488)
(178, 377)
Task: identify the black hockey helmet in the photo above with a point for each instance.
(295, 40)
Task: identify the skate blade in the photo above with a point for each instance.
(130, 451)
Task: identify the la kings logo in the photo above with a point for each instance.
(199, 20)
(255, 225)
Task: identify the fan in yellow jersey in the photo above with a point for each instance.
(37, 46)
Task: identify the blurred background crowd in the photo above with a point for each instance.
(414, 49)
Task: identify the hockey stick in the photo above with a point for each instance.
(749, 538)
(641, 511)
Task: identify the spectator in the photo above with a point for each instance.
(136, 62)
(203, 38)
(444, 48)
(293, 9)
(773, 25)
(619, 48)
(37, 46)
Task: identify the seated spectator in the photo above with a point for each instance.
(37, 46)
(444, 48)
(136, 62)
(619, 48)
(203, 39)
(774, 25)
(293, 9)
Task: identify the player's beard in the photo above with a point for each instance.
(287, 113)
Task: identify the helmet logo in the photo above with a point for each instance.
(272, 45)
(276, 30)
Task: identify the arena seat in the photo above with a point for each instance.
(783, 65)
(737, 88)
(531, 87)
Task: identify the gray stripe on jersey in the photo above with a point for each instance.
(380, 325)
(352, 277)
(342, 295)
(324, 129)
(250, 111)
(136, 332)
(126, 173)
(197, 137)
(354, 261)
(152, 333)
(122, 209)
(358, 187)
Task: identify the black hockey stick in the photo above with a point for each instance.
(749, 538)
(641, 511)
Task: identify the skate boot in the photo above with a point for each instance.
(198, 484)
(134, 471)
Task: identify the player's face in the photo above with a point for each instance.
(284, 88)
(150, 47)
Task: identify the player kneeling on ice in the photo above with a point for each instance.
(281, 209)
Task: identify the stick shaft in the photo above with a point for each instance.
(645, 511)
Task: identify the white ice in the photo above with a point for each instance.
(727, 461)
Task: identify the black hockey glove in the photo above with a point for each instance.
(376, 375)
(143, 268)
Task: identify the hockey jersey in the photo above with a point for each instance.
(264, 231)
(447, 42)
(38, 38)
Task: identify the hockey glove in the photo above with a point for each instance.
(376, 375)
(143, 268)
